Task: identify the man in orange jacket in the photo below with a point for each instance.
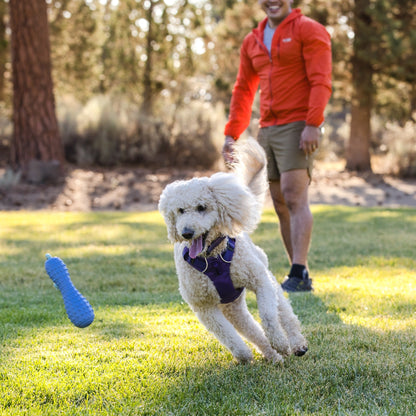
(289, 56)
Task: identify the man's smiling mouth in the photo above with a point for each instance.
(274, 9)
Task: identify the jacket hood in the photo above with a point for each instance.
(259, 30)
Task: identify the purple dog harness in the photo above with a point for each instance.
(217, 269)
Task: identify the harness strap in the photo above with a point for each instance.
(218, 270)
(215, 244)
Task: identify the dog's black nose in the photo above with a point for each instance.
(187, 233)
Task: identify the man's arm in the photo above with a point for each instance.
(242, 99)
(243, 94)
(318, 63)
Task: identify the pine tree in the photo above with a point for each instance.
(36, 135)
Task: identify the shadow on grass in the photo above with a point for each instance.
(348, 370)
(116, 260)
(345, 236)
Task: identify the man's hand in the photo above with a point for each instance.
(309, 140)
(227, 150)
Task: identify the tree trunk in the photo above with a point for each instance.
(358, 150)
(412, 114)
(36, 134)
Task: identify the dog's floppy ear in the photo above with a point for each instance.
(165, 208)
(238, 208)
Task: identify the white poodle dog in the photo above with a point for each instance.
(209, 219)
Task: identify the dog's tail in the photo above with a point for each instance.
(250, 166)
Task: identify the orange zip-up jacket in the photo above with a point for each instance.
(295, 79)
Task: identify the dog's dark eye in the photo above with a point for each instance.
(201, 208)
(181, 210)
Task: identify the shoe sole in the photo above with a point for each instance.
(308, 288)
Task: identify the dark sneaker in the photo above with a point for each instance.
(298, 284)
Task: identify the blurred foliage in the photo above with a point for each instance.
(125, 47)
(163, 55)
(111, 130)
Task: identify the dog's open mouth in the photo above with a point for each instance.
(197, 245)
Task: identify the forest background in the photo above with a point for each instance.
(148, 82)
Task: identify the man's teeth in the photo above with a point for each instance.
(274, 9)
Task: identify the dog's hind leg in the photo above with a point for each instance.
(268, 304)
(291, 325)
(216, 323)
(238, 314)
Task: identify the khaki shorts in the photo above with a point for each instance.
(281, 144)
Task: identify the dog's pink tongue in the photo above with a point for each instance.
(196, 247)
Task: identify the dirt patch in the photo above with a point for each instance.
(138, 189)
(333, 185)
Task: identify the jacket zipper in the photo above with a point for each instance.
(269, 54)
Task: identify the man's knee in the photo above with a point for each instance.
(281, 208)
(294, 188)
(279, 202)
(293, 200)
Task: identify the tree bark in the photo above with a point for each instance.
(36, 134)
(358, 150)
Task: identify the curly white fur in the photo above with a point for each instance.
(196, 213)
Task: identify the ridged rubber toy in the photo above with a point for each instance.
(79, 311)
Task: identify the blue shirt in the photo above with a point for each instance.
(268, 36)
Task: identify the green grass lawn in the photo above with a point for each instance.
(146, 353)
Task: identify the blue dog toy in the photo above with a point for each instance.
(78, 309)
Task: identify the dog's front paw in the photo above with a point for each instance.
(299, 345)
(299, 351)
(273, 357)
(282, 346)
(243, 356)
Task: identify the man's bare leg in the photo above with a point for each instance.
(292, 197)
(283, 214)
